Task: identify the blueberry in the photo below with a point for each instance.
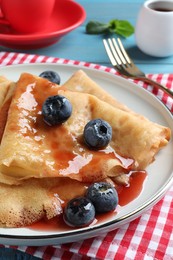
(79, 212)
(97, 134)
(103, 196)
(51, 76)
(56, 110)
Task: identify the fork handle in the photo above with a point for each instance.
(156, 84)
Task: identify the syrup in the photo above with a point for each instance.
(133, 190)
(126, 195)
(60, 148)
(3, 116)
(65, 154)
(58, 224)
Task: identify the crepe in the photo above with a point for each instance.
(35, 199)
(30, 148)
(56, 156)
(6, 91)
(81, 82)
(4, 87)
(25, 204)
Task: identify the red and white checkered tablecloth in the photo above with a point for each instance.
(146, 238)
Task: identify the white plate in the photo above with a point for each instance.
(160, 173)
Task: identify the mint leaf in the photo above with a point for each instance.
(121, 27)
(94, 27)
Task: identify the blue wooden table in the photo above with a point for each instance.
(78, 45)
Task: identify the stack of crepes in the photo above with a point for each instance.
(41, 166)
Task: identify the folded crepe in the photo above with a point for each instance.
(30, 148)
(36, 199)
(27, 203)
(6, 91)
(81, 82)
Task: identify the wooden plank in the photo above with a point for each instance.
(78, 45)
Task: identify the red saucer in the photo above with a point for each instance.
(67, 16)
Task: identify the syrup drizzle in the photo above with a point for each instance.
(67, 154)
(133, 190)
(62, 151)
(126, 195)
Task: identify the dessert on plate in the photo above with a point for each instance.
(39, 156)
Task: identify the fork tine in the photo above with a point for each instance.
(114, 50)
(109, 53)
(119, 53)
(124, 51)
(122, 63)
(118, 56)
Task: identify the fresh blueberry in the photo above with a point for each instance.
(103, 196)
(97, 134)
(79, 212)
(56, 110)
(51, 76)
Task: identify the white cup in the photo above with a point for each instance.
(154, 28)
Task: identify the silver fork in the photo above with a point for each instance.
(125, 66)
